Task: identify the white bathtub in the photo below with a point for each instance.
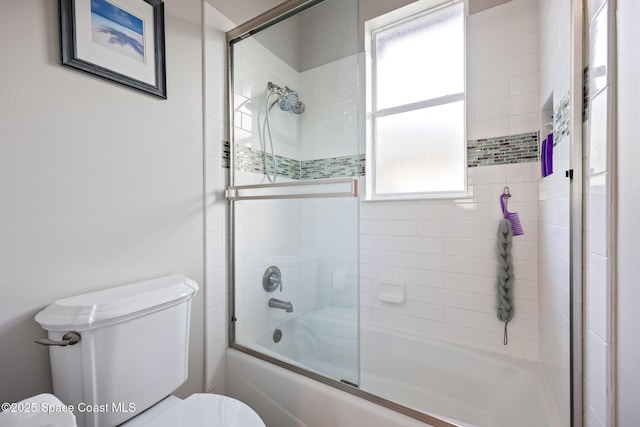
(465, 386)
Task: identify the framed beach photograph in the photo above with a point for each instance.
(117, 40)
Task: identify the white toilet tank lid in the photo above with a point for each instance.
(96, 309)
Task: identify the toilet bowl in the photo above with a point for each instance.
(117, 355)
(211, 410)
(41, 410)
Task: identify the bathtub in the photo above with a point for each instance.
(463, 386)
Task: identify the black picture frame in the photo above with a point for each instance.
(103, 50)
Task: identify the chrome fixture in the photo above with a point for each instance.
(70, 338)
(283, 305)
(272, 279)
(288, 99)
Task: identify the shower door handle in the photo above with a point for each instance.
(236, 192)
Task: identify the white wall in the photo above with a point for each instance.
(315, 37)
(101, 185)
(628, 179)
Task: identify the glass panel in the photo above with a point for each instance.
(599, 126)
(307, 119)
(598, 67)
(421, 59)
(311, 59)
(314, 244)
(421, 151)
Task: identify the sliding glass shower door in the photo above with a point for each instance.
(296, 276)
(294, 168)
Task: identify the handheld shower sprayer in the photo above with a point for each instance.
(288, 100)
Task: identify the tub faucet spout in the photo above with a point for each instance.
(284, 305)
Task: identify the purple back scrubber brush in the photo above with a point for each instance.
(511, 216)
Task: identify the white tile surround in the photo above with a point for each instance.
(443, 252)
(502, 70)
(449, 276)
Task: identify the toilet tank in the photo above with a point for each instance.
(133, 348)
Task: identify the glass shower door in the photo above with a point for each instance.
(295, 250)
(294, 168)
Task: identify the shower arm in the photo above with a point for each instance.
(273, 87)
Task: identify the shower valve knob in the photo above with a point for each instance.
(275, 281)
(272, 279)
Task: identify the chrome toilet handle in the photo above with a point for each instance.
(70, 338)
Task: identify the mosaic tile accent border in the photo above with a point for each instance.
(226, 154)
(251, 160)
(287, 167)
(561, 120)
(521, 148)
(585, 94)
(334, 167)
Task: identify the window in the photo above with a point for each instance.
(416, 141)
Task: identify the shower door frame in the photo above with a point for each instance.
(577, 342)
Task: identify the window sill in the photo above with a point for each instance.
(463, 197)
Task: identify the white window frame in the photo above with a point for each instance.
(373, 27)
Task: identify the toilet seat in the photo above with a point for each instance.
(198, 410)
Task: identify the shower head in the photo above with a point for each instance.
(299, 108)
(288, 99)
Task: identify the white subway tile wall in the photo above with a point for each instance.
(503, 70)
(554, 202)
(444, 253)
(254, 67)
